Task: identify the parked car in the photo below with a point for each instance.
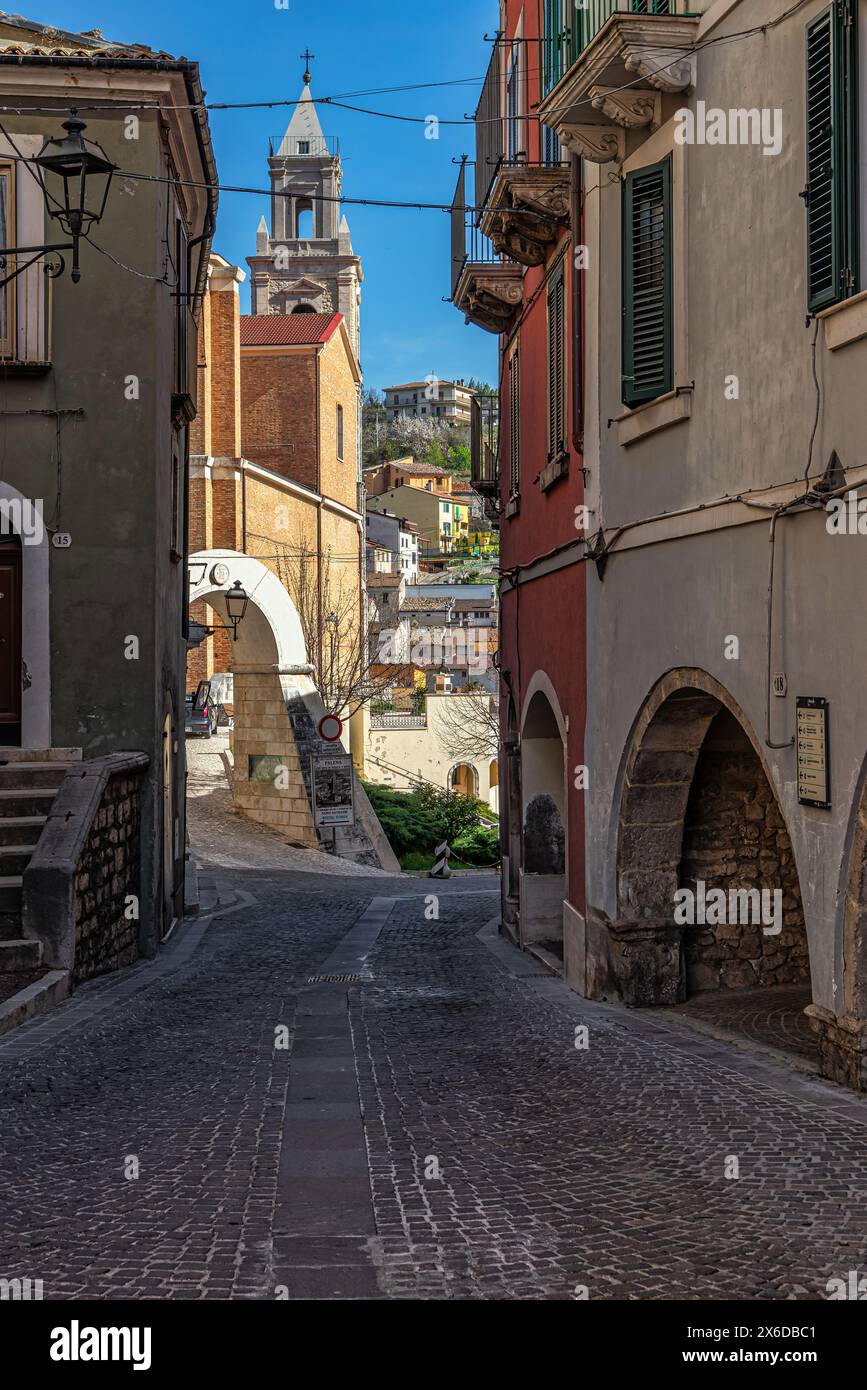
(202, 713)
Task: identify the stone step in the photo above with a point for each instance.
(10, 925)
(19, 954)
(40, 755)
(10, 893)
(26, 801)
(20, 830)
(35, 774)
(15, 858)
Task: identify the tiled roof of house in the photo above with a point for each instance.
(287, 330)
(424, 605)
(383, 581)
(472, 605)
(31, 39)
(425, 470)
(422, 385)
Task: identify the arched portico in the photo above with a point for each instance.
(271, 631)
(544, 816)
(707, 887)
(271, 677)
(464, 779)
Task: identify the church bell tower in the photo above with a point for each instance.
(307, 264)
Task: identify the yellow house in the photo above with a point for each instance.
(440, 519)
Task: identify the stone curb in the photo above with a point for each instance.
(35, 999)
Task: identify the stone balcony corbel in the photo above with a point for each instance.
(527, 208)
(629, 107)
(490, 294)
(595, 103)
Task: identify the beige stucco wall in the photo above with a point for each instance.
(395, 757)
(675, 591)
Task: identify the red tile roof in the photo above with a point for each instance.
(287, 330)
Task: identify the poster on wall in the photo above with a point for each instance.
(333, 801)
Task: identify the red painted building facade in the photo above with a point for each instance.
(516, 266)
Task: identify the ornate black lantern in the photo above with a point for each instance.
(86, 172)
(236, 606)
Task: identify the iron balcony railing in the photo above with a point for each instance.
(489, 130)
(25, 311)
(469, 245)
(567, 27)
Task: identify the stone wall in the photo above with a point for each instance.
(263, 731)
(107, 875)
(735, 837)
(78, 888)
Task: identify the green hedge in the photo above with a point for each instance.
(417, 821)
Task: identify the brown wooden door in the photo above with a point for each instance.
(10, 641)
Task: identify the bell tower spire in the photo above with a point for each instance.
(307, 264)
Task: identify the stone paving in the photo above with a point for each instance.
(771, 1018)
(238, 1119)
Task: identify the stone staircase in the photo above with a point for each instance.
(29, 782)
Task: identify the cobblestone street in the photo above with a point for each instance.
(428, 1130)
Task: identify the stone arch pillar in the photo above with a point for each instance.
(842, 1037)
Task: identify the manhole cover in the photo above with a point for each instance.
(333, 979)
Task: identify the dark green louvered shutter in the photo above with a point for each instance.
(515, 423)
(832, 171)
(647, 317)
(556, 365)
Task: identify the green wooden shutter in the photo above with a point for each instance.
(556, 365)
(647, 314)
(515, 423)
(831, 142)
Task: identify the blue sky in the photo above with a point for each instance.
(251, 53)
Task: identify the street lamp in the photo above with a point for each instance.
(236, 606)
(86, 172)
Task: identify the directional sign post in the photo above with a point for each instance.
(814, 767)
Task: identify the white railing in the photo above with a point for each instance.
(395, 720)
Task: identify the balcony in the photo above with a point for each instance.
(25, 316)
(590, 72)
(398, 720)
(528, 206)
(487, 288)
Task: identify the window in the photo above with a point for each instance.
(516, 143)
(647, 308)
(831, 194)
(556, 365)
(183, 309)
(515, 423)
(340, 432)
(7, 233)
(303, 146)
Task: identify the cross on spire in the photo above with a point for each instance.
(308, 59)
